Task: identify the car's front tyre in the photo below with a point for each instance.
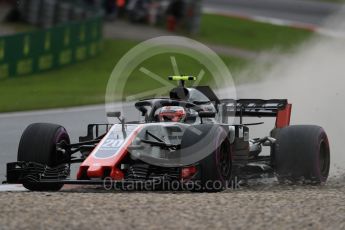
(38, 145)
(215, 168)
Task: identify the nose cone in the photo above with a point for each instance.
(95, 171)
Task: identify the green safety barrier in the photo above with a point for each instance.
(40, 50)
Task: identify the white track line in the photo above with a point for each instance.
(53, 111)
(279, 22)
(12, 188)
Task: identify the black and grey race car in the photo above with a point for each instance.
(191, 139)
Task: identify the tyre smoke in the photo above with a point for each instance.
(313, 79)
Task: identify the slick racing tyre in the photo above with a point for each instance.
(38, 145)
(214, 170)
(302, 155)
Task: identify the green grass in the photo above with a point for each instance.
(85, 83)
(248, 34)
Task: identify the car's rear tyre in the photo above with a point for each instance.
(215, 169)
(38, 144)
(302, 155)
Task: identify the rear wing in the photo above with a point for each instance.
(278, 108)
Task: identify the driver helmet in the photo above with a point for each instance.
(172, 113)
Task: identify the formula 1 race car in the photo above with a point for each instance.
(187, 140)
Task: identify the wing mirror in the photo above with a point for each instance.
(118, 116)
(114, 114)
(207, 114)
